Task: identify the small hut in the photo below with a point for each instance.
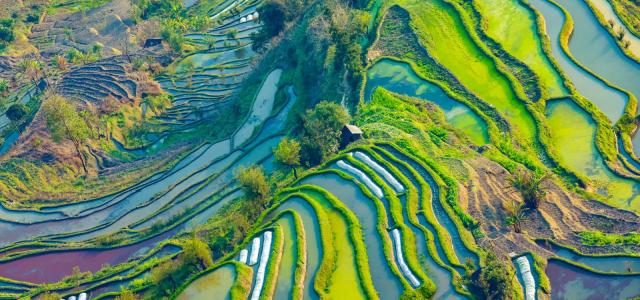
(350, 134)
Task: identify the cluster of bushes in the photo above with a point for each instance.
(597, 238)
(6, 32)
(75, 56)
(161, 8)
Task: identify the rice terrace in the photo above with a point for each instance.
(319, 149)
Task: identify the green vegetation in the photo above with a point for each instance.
(629, 12)
(512, 26)
(254, 184)
(275, 14)
(6, 32)
(126, 294)
(65, 123)
(530, 186)
(496, 151)
(288, 154)
(322, 131)
(494, 279)
(595, 238)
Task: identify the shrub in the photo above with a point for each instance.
(254, 183)
(529, 186)
(494, 280)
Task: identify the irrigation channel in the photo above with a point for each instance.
(201, 175)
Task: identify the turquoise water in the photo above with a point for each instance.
(398, 77)
(573, 283)
(386, 283)
(610, 101)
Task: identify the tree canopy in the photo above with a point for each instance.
(197, 253)
(288, 153)
(65, 123)
(494, 280)
(322, 129)
(254, 182)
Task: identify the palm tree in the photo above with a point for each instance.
(530, 186)
(515, 214)
(31, 69)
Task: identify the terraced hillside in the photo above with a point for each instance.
(286, 149)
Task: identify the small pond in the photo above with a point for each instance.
(217, 284)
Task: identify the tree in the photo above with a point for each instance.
(30, 69)
(17, 111)
(158, 103)
(64, 123)
(322, 129)
(254, 184)
(494, 280)
(530, 186)
(197, 253)
(273, 15)
(515, 215)
(61, 62)
(4, 87)
(288, 153)
(125, 294)
(163, 275)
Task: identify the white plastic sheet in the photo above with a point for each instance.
(255, 249)
(403, 265)
(244, 254)
(262, 267)
(82, 296)
(374, 188)
(527, 278)
(380, 170)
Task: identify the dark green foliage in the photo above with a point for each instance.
(6, 31)
(322, 129)
(161, 8)
(494, 280)
(228, 228)
(273, 14)
(17, 111)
